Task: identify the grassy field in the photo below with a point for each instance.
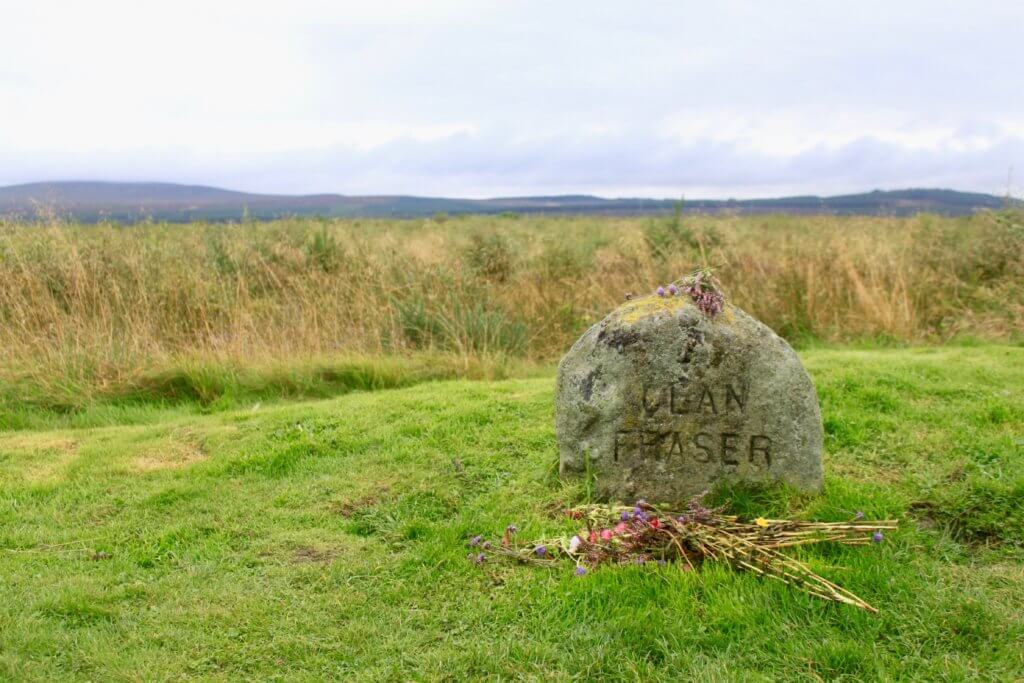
(327, 539)
(176, 311)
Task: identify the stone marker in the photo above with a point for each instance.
(665, 402)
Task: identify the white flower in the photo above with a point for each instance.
(574, 543)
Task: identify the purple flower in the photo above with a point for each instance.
(511, 529)
(580, 571)
(682, 519)
(672, 289)
(641, 559)
(481, 558)
(660, 291)
(877, 537)
(703, 290)
(541, 550)
(486, 545)
(475, 541)
(859, 515)
(624, 516)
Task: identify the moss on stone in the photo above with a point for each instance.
(638, 309)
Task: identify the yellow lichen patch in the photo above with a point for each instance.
(180, 448)
(38, 457)
(638, 309)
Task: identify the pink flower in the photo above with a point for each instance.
(621, 527)
(606, 534)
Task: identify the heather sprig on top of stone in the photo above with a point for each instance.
(705, 291)
(702, 287)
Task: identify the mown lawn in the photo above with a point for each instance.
(327, 539)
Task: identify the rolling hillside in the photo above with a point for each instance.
(90, 201)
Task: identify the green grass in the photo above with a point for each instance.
(191, 387)
(326, 540)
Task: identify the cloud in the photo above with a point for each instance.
(484, 98)
(494, 163)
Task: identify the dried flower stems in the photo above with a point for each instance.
(621, 534)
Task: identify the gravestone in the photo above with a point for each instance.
(662, 402)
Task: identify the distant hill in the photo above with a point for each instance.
(90, 201)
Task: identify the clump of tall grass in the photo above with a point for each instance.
(99, 306)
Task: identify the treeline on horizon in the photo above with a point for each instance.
(92, 202)
(91, 310)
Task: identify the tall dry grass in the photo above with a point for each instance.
(96, 305)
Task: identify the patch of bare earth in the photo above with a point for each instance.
(181, 448)
(40, 457)
(348, 507)
(308, 554)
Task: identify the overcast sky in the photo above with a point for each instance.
(472, 99)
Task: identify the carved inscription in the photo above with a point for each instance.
(700, 400)
(726, 447)
(665, 407)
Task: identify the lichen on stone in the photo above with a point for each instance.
(637, 309)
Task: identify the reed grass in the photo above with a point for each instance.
(95, 307)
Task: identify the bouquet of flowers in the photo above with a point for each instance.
(617, 534)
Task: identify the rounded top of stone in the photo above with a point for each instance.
(636, 310)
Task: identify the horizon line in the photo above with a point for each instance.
(682, 197)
